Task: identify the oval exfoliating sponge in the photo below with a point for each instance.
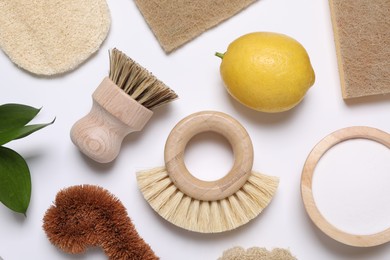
(49, 37)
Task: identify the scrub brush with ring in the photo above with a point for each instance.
(122, 103)
(207, 206)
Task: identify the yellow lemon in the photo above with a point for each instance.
(266, 71)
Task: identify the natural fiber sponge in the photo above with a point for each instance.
(48, 37)
(256, 253)
(178, 21)
(362, 37)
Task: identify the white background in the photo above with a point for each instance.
(281, 141)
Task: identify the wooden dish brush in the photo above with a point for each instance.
(85, 216)
(207, 206)
(122, 104)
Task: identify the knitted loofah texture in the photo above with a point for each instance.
(256, 253)
(362, 37)
(176, 22)
(52, 37)
(85, 216)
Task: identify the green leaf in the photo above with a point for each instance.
(15, 181)
(20, 132)
(15, 116)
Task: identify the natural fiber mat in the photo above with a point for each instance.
(175, 22)
(362, 37)
(48, 37)
(256, 253)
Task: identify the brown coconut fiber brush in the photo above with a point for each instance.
(122, 103)
(207, 206)
(89, 216)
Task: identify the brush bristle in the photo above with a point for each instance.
(138, 82)
(206, 216)
(86, 216)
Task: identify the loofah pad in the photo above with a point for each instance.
(256, 253)
(48, 37)
(176, 22)
(362, 37)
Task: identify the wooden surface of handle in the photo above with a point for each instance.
(360, 132)
(239, 140)
(113, 115)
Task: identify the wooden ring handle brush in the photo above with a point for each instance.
(122, 104)
(207, 206)
(219, 123)
(341, 135)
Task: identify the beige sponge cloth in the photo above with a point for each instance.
(48, 37)
(362, 37)
(175, 22)
(256, 253)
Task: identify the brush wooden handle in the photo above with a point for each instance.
(114, 114)
(222, 124)
(315, 155)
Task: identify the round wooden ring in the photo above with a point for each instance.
(356, 132)
(236, 135)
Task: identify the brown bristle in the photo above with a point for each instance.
(138, 82)
(86, 216)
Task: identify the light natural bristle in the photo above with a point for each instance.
(138, 82)
(206, 216)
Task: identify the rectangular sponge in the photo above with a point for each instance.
(176, 22)
(362, 37)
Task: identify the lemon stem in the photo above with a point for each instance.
(218, 54)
